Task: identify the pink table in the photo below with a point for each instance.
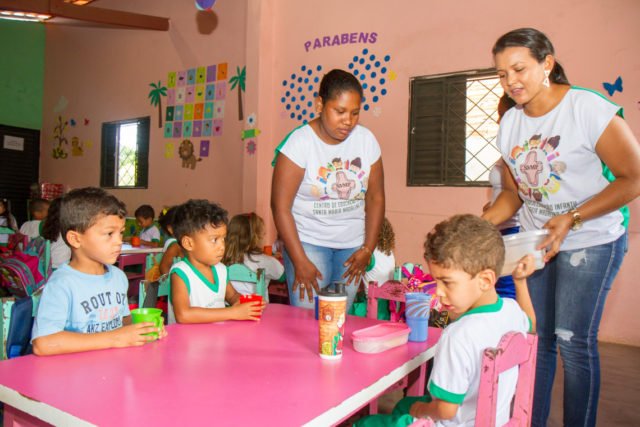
(234, 373)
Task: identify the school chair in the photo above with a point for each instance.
(242, 273)
(6, 230)
(150, 290)
(514, 349)
(16, 323)
(392, 290)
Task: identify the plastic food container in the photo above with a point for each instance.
(518, 245)
(378, 338)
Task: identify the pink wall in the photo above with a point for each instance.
(105, 75)
(596, 42)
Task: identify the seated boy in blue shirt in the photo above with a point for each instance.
(84, 304)
(465, 254)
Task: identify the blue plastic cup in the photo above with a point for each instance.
(418, 304)
(419, 328)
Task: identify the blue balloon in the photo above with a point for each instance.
(205, 4)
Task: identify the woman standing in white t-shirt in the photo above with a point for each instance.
(327, 194)
(556, 144)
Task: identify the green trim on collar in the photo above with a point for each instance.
(213, 286)
(181, 274)
(487, 308)
(447, 396)
(620, 111)
(284, 141)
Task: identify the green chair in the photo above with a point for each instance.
(242, 273)
(16, 325)
(162, 288)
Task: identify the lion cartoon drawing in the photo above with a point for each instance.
(186, 154)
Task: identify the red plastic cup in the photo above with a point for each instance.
(135, 241)
(251, 298)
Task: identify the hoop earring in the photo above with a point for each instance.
(545, 82)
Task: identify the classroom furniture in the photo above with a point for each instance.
(160, 287)
(16, 322)
(135, 256)
(242, 273)
(514, 349)
(392, 290)
(204, 374)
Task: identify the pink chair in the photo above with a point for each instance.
(514, 349)
(393, 290)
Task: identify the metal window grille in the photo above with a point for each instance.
(453, 125)
(125, 154)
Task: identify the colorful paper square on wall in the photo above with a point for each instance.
(195, 101)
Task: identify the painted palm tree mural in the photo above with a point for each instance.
(239, 80)
(156, 95)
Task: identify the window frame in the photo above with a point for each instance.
(108, 157)
(411, 180)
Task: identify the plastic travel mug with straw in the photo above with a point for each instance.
(417, 315)
(332, 315)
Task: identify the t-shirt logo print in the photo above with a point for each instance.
(537, 167)
(343, 185)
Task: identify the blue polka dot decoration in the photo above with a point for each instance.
(372, 72)
(299, 90)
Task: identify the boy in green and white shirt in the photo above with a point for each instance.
(465, 254)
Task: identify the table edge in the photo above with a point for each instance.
(347, 407)
(40, 410)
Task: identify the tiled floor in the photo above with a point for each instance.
(619, 394)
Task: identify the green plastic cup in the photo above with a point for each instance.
(148, 315)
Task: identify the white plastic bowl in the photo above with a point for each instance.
(518, 245)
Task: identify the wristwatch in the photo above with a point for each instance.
(576, 224)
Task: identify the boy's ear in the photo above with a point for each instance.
(487, 279)
(187, 243)
(74, 238)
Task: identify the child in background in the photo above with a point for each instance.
(149, 235)
(199, 286)
(383, 261)
(6, 220)
(38, 209)
(60, 252)
(84, 304)
(171, 249)
(244, 246)
(465, 254)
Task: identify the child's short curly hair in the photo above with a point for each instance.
(145, 211)
(466, 242)
(195, 215)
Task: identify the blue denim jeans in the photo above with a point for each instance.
(329, 262)
(568, 297)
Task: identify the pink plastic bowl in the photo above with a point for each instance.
(378, 338)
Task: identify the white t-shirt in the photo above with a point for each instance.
(31, 229)
(556, 167)
(458, 360)
(382, 270)
(329, 206)
(60, 252)
(150, 234)
(12, 224)
(202, 293)
(273, 270)
(170, 241)
(495, 179)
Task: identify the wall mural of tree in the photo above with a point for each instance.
(239, 81)
(156, 95)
